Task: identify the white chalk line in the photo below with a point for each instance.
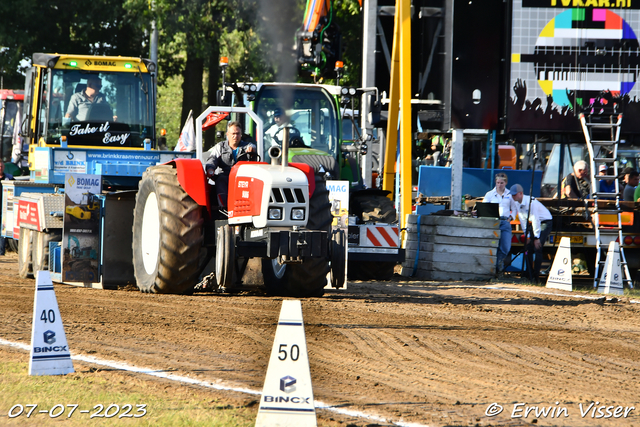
(535, 291)
(219, 385)
(591, 297)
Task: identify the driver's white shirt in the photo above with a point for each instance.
(504, 200)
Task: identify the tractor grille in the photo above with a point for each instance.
(287, 195)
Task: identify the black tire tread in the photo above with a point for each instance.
(309, 278)
(181, 236)
(316, 161)
(12, 245)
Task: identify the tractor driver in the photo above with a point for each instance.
(226, 154)
(275, 133)
(81, 102)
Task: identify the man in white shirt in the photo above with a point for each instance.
(275, 134)
(530, 209)
(500, 194)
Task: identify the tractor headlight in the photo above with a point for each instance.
(275, 214)
(297, 214)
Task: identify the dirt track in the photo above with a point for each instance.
(429, 353)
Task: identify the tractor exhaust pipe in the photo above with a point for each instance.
(285, 148)
(275, 152)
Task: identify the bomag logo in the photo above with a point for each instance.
(106, 63)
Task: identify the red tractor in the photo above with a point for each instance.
(278, 212)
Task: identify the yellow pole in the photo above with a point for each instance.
(405, 111)
(389, 173)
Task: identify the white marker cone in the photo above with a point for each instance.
(49, 350)
(560, 273)
(287, 396)
(611, 280)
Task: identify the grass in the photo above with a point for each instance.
(167, 404)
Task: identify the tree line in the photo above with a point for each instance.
(256, 35)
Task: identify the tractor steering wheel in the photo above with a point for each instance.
(249, 156)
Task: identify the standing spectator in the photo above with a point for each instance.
(576, 185)
(3, 176)
(624, 178)
(606, 185)
(540, 218)
(500, 194)
(629, 190)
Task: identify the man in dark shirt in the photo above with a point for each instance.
(576, 185)
(82, 103)
(226, 154)
(630, 188)
(623, 178)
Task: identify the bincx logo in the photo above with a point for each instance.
(49, 337)
(287, 384)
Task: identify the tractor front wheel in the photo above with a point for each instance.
(225, 257)
(309, 278)
(275, 275)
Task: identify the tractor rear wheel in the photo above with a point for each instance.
(373, 208)
(168, 251)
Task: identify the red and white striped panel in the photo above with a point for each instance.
(380, 236)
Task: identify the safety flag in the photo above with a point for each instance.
(187, 140)
(213, 119)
